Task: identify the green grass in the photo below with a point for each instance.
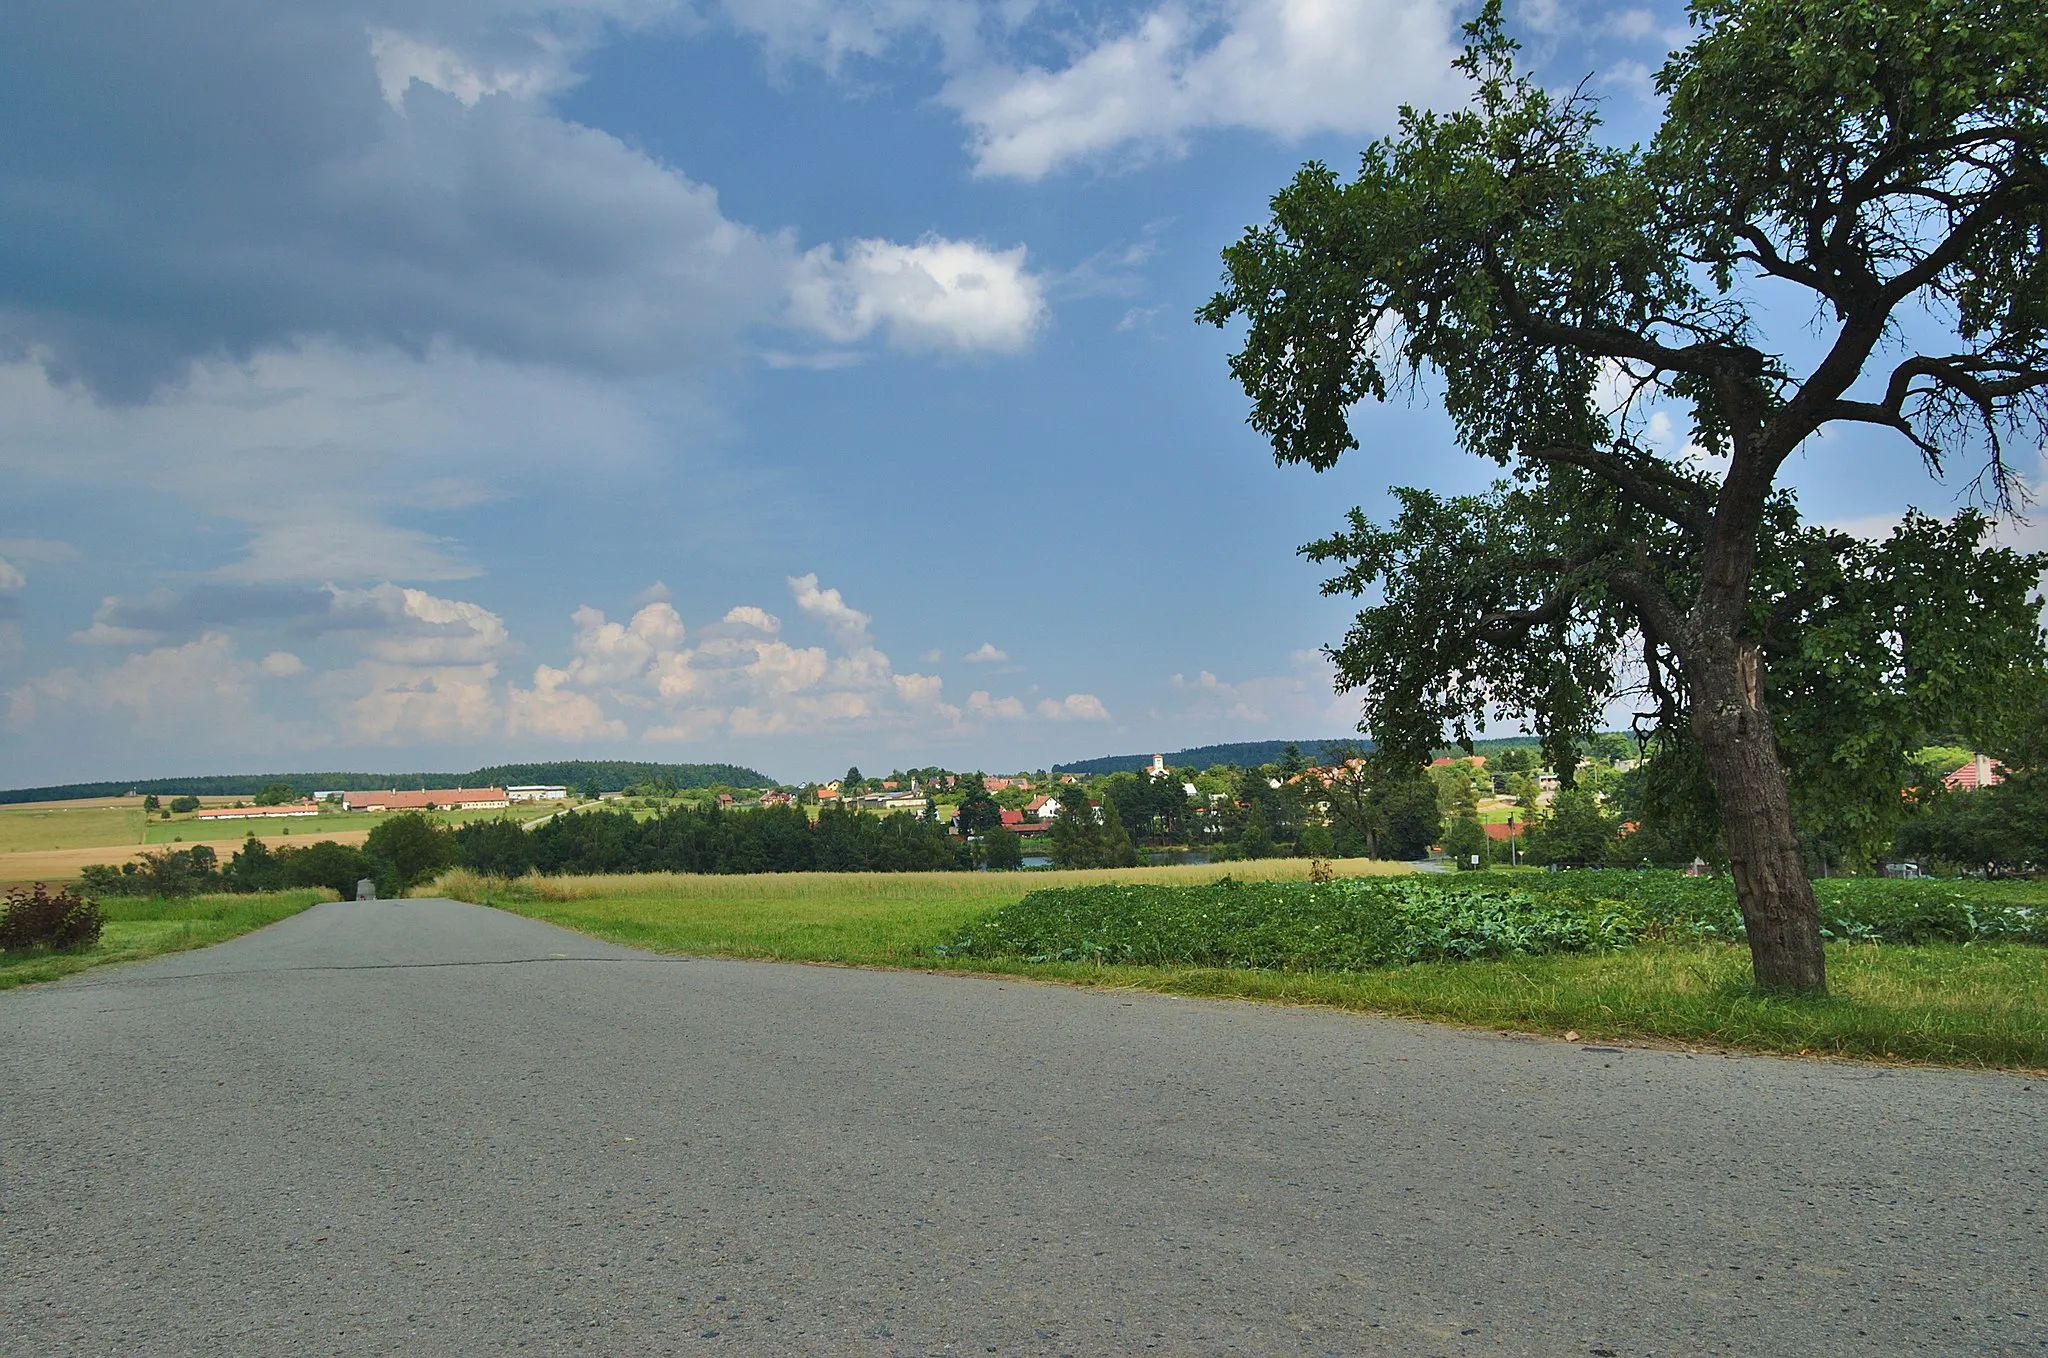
(142, 927)
(69, 827)
(1976, 1004)
(192, 830)
(880, 919)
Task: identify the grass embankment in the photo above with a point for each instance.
(142, 927)
(1982, 1002)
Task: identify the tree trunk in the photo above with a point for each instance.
(1771, 883)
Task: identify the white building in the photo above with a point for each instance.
(537, 793)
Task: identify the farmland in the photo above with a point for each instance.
(53, 841)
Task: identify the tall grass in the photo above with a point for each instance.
(139, 927)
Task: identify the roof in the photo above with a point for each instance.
(433, 796)
(1979, 772)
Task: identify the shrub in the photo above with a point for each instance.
(40, 918)
(184, 804)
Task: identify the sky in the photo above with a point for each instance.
(795, 383)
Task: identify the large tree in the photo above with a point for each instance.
(1867, 178)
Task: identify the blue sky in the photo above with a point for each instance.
(795, 383)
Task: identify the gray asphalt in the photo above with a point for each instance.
(426, 1127)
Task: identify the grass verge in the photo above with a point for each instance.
(143, 927)
(1979, 1004)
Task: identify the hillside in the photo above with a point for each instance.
(1246, 754)
(608, 775)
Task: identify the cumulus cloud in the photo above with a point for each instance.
(281, 665)
(980, 704)
(747, 615)
(847, 623)
(204, 682)
(1285, 67)
(985, 654)
(1074, 707)
(553, 710)
(936, 294)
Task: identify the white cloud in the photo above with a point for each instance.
(552, 710)
(847, 623)
(414, 627)
(936, 294)
(401, 59)
(11, 577)
(1074, 707)
(985, 654)
(281, 665)
(1286, 67)
(379, 703)
(747, 615)
(202, 682)
(1304, 697)
(980, 704)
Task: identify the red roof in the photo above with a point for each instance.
(1979, 772)
(1499, 830)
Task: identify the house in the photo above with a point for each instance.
(305, 808)
(537, 792)
(1041, 807)
(1979, 772)
(777, 799)
(829, 792)
(433, 798)
(1014, 822)
(1157, 768)
(724, 801)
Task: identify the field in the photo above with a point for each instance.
(53, 841)
(138, 927)
(1984, 1003)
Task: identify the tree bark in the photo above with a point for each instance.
(1741, 754)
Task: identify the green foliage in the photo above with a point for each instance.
(276, 794)
(40, 918)
(1465, 843)
(1579, 832)
(705, 839)
(1002, 850)
(1345, 925)
(1357, 923)
(496, 848)
(182, 805)
(978, 812)
(414, 845)
(151, 803)
(1882, 160)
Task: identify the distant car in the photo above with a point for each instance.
(366, 889)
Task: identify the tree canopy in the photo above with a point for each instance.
(1884, 162)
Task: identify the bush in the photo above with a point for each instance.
(183, 804)
(1356, 923)
(414, 846)
(40, 918)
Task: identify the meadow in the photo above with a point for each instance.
(1963, 990)
(143, 927)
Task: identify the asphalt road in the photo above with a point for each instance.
(425, 1127)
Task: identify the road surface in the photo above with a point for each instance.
(424, 1127)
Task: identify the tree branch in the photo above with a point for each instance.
(1675, 500)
